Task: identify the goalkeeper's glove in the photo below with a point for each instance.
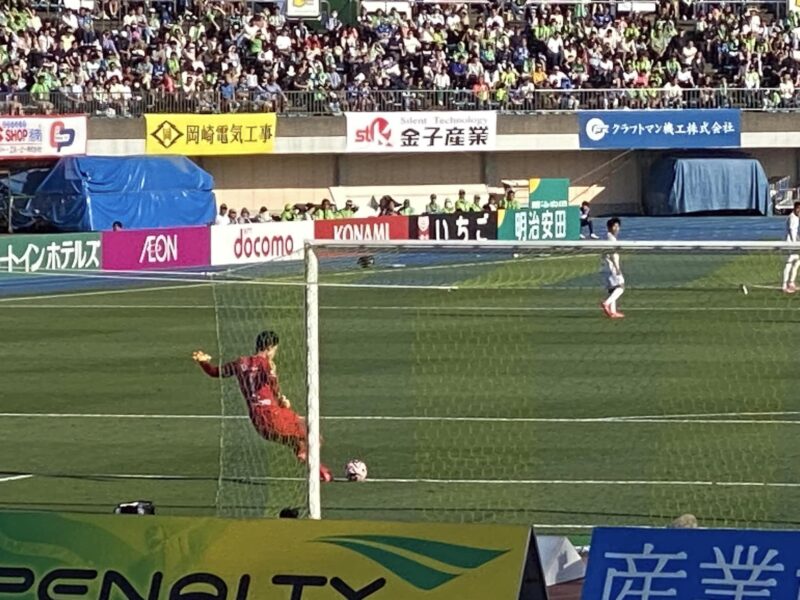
(200, 356)
(283, 402)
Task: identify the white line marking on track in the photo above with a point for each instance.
(656, 420)
(14, 478)
(155, 288)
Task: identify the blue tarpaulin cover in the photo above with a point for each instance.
(679, 185)
(89, 193)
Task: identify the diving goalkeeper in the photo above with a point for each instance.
(270, 411)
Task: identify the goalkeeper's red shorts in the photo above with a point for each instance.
(277, 422)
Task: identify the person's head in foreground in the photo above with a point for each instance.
(796, 209)
(613, 226)
(267, 344)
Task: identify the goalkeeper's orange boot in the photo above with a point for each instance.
(325, 474)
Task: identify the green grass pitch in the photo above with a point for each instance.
(507, 399)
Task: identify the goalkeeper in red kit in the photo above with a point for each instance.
(270, 411)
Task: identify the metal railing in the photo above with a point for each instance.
(316, 103)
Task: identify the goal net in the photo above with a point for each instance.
(481, 382)
(259, 478)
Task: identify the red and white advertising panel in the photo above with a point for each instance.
(42, 137)
(145, 249)
(446, 131)
(358, 230)
(259, 242)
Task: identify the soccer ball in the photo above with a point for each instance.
(355, 470)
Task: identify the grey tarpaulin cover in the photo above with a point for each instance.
(679, 185)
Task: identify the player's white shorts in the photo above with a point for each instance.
(614, 281)
(793, 258)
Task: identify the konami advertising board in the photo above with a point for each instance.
(362, 230)
(259, 242)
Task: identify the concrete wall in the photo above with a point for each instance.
(611, 180)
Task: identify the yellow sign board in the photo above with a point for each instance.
(119, 556)
(210, 135)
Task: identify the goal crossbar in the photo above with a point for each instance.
(713, 245)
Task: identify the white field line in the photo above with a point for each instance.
(710, 415)
(442, 481)
(400, 268)
(8, 304)
(657, 420)
(14, 478)
(157, 288)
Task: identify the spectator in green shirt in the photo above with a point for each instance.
(324, 211)
(433, 208)
(449, 209)
(40, 92)
(510, 201)
(288, 213)
(349, 210)
(462, 204)
(476, 204)
(406, 209)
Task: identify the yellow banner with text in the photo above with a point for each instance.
(210, 135)
(119, 556)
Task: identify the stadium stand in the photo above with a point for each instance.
(123, 58)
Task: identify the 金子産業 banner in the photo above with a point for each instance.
(34, 253)
(210, 135)
(40, 137)
(181, 557)
(143, 249)
(642, 129)
(693, 564)
(259, 242)
(454, 131)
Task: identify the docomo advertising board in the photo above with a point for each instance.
(358, 230)
(37, 137)
(259, 242)
(99, 557)
(145, 249)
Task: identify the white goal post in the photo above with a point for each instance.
(313, 256)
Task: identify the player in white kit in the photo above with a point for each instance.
(793, 262)
(612, 273)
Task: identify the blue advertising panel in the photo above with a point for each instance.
(642, 129)
(692, 564)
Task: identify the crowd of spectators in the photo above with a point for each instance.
(128, 57)
(384, 206)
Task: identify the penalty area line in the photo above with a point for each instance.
(155, 288)
(653, 420)
(434, 481)
(14, 478)
(8, 304)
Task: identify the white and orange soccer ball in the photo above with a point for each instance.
(355, 470)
